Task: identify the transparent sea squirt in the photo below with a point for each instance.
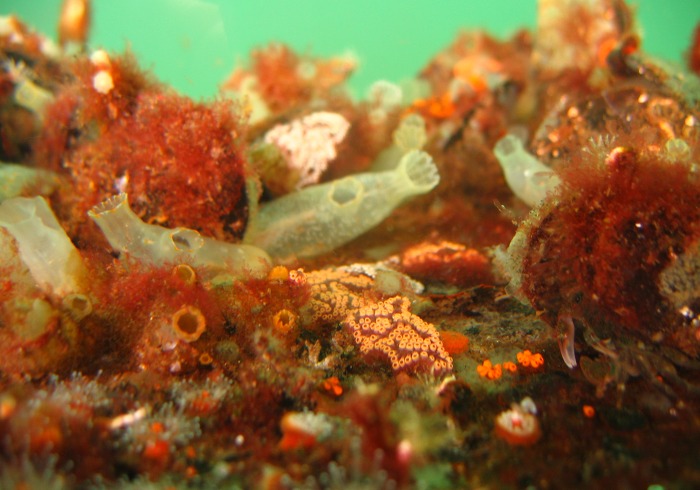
(44, 247)
(323, 217)
(127, 233)
(527, 177)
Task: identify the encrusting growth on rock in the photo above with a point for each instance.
(390, 329)
(382, 328)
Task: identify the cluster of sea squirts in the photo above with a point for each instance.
(459, 342)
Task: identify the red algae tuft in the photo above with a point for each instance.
(183, 155)
(645, 210)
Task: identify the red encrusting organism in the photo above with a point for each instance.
(448, 262)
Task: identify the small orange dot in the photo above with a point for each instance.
(510, 366)
(588, 411)
(278, 273)
(158, 450)
(537, 360)
(332, 385)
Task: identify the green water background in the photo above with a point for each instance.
(194, 44)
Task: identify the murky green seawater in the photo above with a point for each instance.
(193, 44)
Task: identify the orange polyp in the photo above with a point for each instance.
(489, 371)
(524, 357)
(528, 359)
(483, 369)
(157, 450)
(332, 386)
(185, 273)
(510, 366)
(439, 107)
(537, 360)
